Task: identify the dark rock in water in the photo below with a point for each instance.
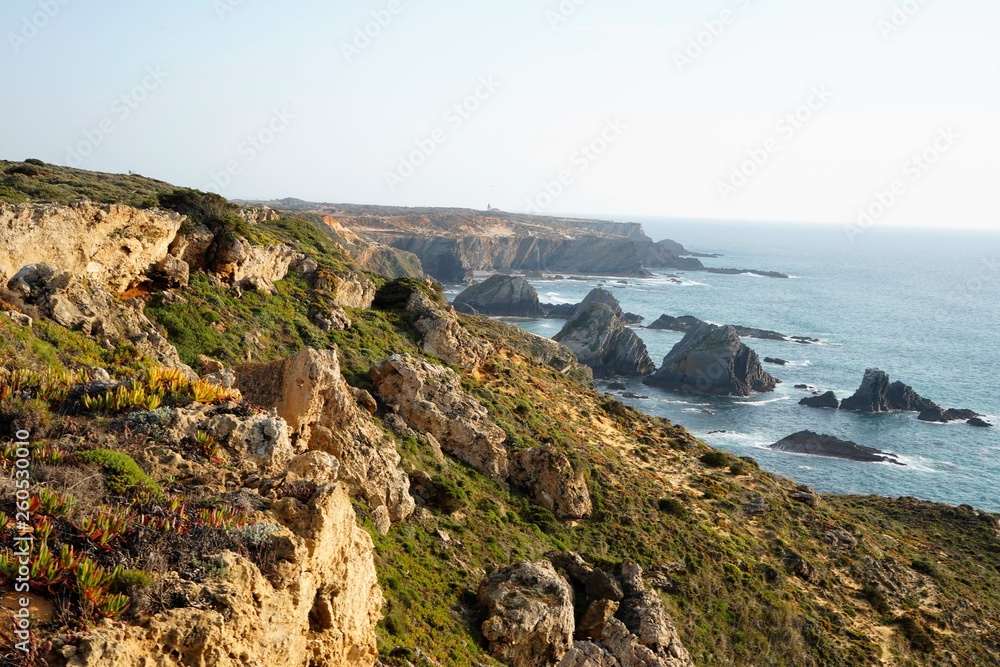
(902, 397)
(599, 339)
(686, 323)
(802, 386)
(618, 386)
(632, 318)
(940, 415)
(777, 362)
(808, 442)
(979, 422)
(629, 394)
(500, 295)
(872, 395)
(827, 400)
(711, 360)
(877, 394)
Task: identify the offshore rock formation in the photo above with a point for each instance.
(319, 606)
(876, 394)
(827, 400)
(531, 617)
(808, 442)
(114, 246)
(309, 392)
(712, 360)
(430, 400)
(600, 339)
(500, 295)
(687, 323)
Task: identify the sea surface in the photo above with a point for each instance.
(922, 305)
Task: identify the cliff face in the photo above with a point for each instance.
(454, 259)
(114, 245)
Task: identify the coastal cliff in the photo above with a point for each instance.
(342, 470)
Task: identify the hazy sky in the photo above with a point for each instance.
(750, 109)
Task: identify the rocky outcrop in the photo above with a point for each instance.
(553, 482)
(430, 400)
(109, 245)
(319, 606)
(712, 360)
(529, 615)
(443, 336)
(500, 295)
(92, 309)
(808, 442)
(827, 400)
(249, 266)
(600, 339)
(877, 394)
(979, 422)
(539, 349)
(687, 323)
(309, 392)
(350, 291)
(258, 444)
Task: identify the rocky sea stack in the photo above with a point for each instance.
(827, 400)
(712, 360)
(502, 296)
(877, 394)
(807, 442)
(600, 339)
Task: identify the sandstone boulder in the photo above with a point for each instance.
(111, 246)
(600, 339)
(430, 400)
(712, 360)
(529, 615)
(350, 291)
(249, 266)
(553, 482)
(443, 336)
(309, 392)
(320, 606)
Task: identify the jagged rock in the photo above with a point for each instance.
(643, 614)
(808, 442)
(902, 397)
(805, 495)
(979, 422)
(443, 336)
(319, 606)
(330, 318)
(529, 615)
(939, 414)
(687, 323)
(712, 360)
(775, 361)
(257, 216)
(539, 349)
(111, 246)
(248, 266)
(827, 400)
(350, 291)
(878, 394)
(598, 614)
(193, 247)
(310, 393)
(502, 295)
(173, 271)
(215, 372)
(553, 482)
(430, 399)
(599, 339)
(315, 467)
(19, 319)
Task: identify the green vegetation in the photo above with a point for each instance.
(34, 180)
(123, 474)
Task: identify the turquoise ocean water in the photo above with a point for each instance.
(922, 305)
